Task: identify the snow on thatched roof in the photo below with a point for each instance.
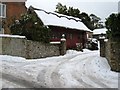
(54, 20)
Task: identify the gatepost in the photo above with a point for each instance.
(102, 46)
(63, 45)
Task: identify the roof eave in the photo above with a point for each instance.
(70, 28)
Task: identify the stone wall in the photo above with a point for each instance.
(20, 46)
(112, 53)
(115, 56)
(107, 50)
(13, 46)
(38, 50)
(102, 48)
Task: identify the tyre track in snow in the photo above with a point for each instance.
(55, 76)
(44, 81)
(18, 79)
(52, 77)
(93, 79)
(21, 82)
(77, 75)
(86, 74)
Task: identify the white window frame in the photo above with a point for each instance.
(3, 11)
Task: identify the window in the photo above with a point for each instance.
(2, 10)
(55, 35)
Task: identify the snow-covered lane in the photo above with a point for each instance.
(73, 70)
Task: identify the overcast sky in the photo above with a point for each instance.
(101, 8)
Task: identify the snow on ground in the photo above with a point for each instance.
(73, 70)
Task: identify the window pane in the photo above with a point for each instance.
(3, 10)
(0, 9)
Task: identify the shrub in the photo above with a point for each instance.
(113, 25)
(32, 27)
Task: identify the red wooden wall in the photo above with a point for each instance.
(72, 36)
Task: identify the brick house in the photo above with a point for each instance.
(9, 11)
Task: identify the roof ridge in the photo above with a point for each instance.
(57, 14)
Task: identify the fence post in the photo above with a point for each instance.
(102, 47)
(63, 45)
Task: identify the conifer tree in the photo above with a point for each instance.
(91, 23)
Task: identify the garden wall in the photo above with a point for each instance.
(38, 50)
(112, 53)
(20, 46)
(107, 50)
(15, 46)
